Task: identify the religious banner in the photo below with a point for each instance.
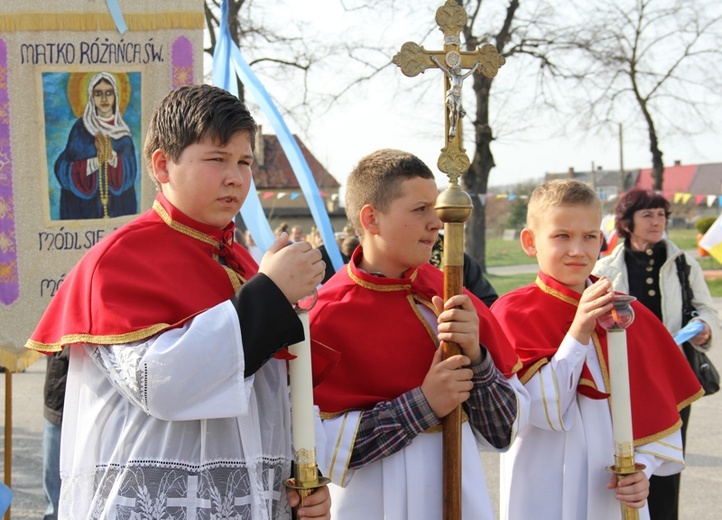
(79, 80)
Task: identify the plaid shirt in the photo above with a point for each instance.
(391, 425)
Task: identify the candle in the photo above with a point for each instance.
(302, 414)
(616, 323)
(619, 382)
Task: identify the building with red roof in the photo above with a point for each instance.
(279, 191)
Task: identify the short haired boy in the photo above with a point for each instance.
(556, 469)
(379, 321)
(175, 404)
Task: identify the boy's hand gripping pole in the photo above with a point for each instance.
(453, 206)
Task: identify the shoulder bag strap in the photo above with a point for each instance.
(683, 269)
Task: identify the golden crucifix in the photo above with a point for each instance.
(453, 205)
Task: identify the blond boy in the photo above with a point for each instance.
(556, 468)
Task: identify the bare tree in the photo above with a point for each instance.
(661, 56)
(286, 53)
(526, 36)
(520, 32)
(279, 50)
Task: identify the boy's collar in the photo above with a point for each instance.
(551, 286)
(182, 223)
(376, 281)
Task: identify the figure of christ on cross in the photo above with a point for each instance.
(453, 95)
(453, 206)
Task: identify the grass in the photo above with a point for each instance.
(505, 252)
(501, 252)
(504, 284)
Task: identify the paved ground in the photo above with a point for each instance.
(701, 482)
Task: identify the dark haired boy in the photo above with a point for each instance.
(175, 404)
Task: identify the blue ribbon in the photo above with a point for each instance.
(6, 496)
(117, 15)
(689, 331)
(228, 55)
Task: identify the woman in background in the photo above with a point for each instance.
(645, 266)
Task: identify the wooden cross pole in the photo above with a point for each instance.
(453, 205)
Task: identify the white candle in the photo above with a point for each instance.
(619, 382)
(302, 415)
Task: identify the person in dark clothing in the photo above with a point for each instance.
(476, 283)
(347, 248)
(54, 396)
(473, 280)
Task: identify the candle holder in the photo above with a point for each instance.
(621, 316)
(306, 478)
(616, 322)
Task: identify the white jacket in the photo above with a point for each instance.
(615, 268)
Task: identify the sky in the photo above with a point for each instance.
(394, 111)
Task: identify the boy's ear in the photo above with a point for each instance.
(368, 219)
(160, 160)
(527, 241)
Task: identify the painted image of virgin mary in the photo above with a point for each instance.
(98, 167)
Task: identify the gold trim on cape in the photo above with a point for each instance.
(605, 371)
(413, 299)
(533, 370)
(380, 287)
(558, 294)
(235, 278)
(660, 456)
(114, 339)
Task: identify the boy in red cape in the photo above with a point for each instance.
(381, 319)
(175, 405)
(556, 468)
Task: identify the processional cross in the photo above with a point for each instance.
(453, 205)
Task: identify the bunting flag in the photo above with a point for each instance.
(712, 240)
(227, 59)
(675, 198)
(482, 199)
(53, 57)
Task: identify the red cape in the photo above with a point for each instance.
(148, 276)
(661, 382)
(379, 344)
